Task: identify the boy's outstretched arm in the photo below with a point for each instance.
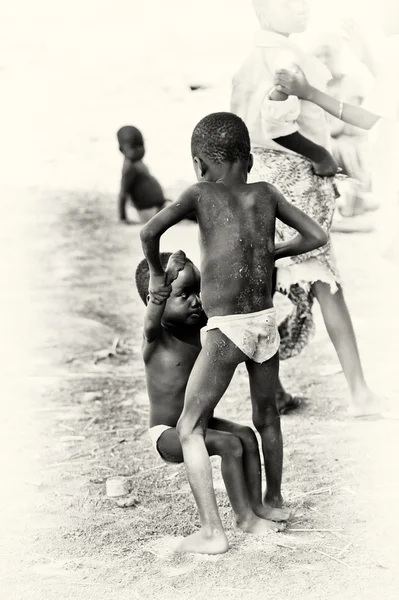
(295, 83)
(323, 162)
(156, 302)
(309, 237)
(151, 233)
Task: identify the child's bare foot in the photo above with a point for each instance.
(365, 404)
(258, 526)
(272, 514)
(285, 402)
(203, 543)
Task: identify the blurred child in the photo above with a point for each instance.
(137, 184)
(289, 140)
(380, 110)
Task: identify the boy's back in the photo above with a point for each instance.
(237, 246)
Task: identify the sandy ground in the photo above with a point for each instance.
(74, 414)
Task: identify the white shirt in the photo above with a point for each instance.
(267, 119)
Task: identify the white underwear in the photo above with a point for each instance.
(255, 334)
(155, 433)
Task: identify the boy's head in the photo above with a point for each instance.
(282, 16)
(183, 306)
(131, 142)
(217, 139)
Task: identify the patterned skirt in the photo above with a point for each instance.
(316, 196)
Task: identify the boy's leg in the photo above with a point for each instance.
(230, 449)
(285, 401)
(209, 379)
(340, 329)
(251, 465)
(262, 381)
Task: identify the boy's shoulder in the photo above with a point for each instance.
(265, 189)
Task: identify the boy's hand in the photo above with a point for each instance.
(176, 264)
(326, 167)
(293, 83)
(159, 290)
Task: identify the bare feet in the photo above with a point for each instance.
(203, 543)
(271, 513)
(365, 404)
(258, 526)
(285, 402)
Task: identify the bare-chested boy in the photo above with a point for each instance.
(171, 345)
(237, 223)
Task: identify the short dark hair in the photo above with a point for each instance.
(128, 133)
(221, 137)
(143, 275)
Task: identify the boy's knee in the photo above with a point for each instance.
(248, 438)
(229, 445)
(185, 429)
(267, 418)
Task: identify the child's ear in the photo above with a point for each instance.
(200, 166)
(148, 298)
(250, 163)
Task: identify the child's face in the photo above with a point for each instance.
(285, 16)
(184, 306)
(132, 149)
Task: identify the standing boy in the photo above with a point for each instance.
(236, 230)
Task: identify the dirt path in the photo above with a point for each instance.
(73, 417)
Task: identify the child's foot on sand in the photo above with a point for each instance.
(285, 402)
(366, 404)
(271, 513)
(258, 526)
(203, 543)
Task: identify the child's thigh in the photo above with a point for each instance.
(218, 443)
(169, 446)
(222, 443)
(245, 434)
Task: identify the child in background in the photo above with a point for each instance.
(380, 111)
(289, 140)
(137, 184)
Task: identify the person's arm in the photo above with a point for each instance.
(156, 303)
(127, 179)
(295, 83)
(323, 162)
(309, 237)
(151, 233)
